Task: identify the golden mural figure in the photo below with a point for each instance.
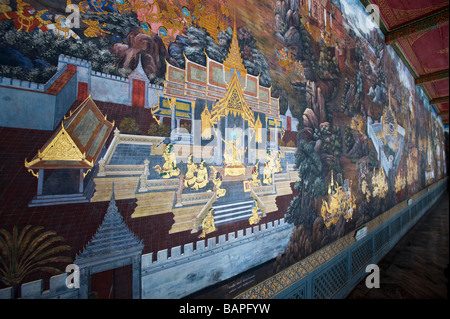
(23, 18)
(255, 182)
(217, 181)
(255, 218)
(169, 168)
(202, 177)
(233, 154)
(189, 177)
(380, 187)
(94, 30)
(208, 225)
(341, 202)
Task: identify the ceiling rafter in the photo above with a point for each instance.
(439, 100)
(430, 77)
(422, 25)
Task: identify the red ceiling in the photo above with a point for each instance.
(424, 51)
(396, 13)
(429, 50)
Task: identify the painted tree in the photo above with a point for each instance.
(327, 66)
(29, 250)
(309, 165)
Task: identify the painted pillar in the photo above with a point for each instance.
(276, 136)
(219, 143)
(40, 186)
(81, 185)
(136, 277)
(192, 123)
(172, 120)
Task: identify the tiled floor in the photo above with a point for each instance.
(417, 267)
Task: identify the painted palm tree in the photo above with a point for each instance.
(29, 250)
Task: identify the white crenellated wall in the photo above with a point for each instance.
(110, 88)
(213, 261)
(102, 86)
(35, 290)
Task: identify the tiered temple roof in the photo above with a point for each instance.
(113, 238)
(77, 142)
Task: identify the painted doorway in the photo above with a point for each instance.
(112, 284)
(138, 94)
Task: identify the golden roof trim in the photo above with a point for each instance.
(61, 148)
(234, 59)
(233, 97)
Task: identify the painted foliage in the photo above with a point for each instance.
(299, 102)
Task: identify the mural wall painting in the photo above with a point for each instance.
(290, 118)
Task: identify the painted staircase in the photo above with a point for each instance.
(233, 212)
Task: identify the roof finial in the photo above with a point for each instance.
(112, 202)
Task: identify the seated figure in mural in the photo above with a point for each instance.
(267, 174)
(169, 168)
(255, 174)
(217, 181)
(208, 224)
(254, 219)
(202, 177)
(189, 177)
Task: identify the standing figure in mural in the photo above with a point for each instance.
(202, 177)
(254, 219)
(233, 154)
(208, 225)
(189, 178)
(217, 181)
(169, 168)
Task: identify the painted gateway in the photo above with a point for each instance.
(180, 144)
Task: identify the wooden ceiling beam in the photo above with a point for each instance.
(443, 99)
(428, 23)
(440, 75)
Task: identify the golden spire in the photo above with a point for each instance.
(234, 59)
